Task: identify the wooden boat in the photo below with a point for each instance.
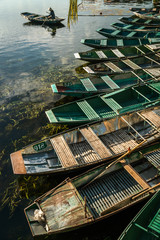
(87, 146)
(118, 43)
(40, 19)
(139, 21)
(112, 33)
(146, 10)
(146, 224)
(147, 63)
(148, 16)
(105, 106)
(135, 28)
(97, 194)
(103, 84)
(114, 54)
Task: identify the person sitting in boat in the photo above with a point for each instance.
(51, 13)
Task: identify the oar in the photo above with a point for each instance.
(116, 161)
(46, 18)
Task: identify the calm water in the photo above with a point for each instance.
(31, 59)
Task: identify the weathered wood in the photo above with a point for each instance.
(18, 163)
(113, 67)
(118, 141)
(95, 142)
(131, 64)
(63, 151)
(134, 174)
(101, 54)
(152, 117)
(118, 53)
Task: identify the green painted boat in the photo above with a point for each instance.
(133, 27)
(88, 145)
(96, 195)
(146, 10)
(139, 21)
(112, 33)
(40, 19)
(148, 16)
(146, 63)
(118, 43)
(106, 106)
(146, 224)
(115, 54)
(103, 84)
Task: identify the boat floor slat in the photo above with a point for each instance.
(154, 158)
(109, 190)
(83, 152)
(118, 142)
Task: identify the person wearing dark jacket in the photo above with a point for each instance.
(51, 13)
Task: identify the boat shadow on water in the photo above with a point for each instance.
(49, 28)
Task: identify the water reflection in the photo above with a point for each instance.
(73, 12)
(51, 29)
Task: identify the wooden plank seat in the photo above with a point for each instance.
(95, 142)
(113, 67)
(118, 53)
(152, 117)
(101, 54)
(131, 64)
(63, 151)
(134, 174)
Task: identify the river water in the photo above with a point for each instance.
(33, 57)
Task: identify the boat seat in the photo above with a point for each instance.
(110, 82)
(51, 116)
(88, 85)
(118, 53)
(101, 54)
(148, 21)
(88, 110)
(131, 34)
(63, 151)
(120, 43)
(135, 20)
(131, 64)
(37, 228)
(113, 67)
(128, 26)
(115, 32)
(112, 104)
(103, 42)
(154, 225)
(95, 142)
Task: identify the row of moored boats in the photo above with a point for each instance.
(114, 128)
